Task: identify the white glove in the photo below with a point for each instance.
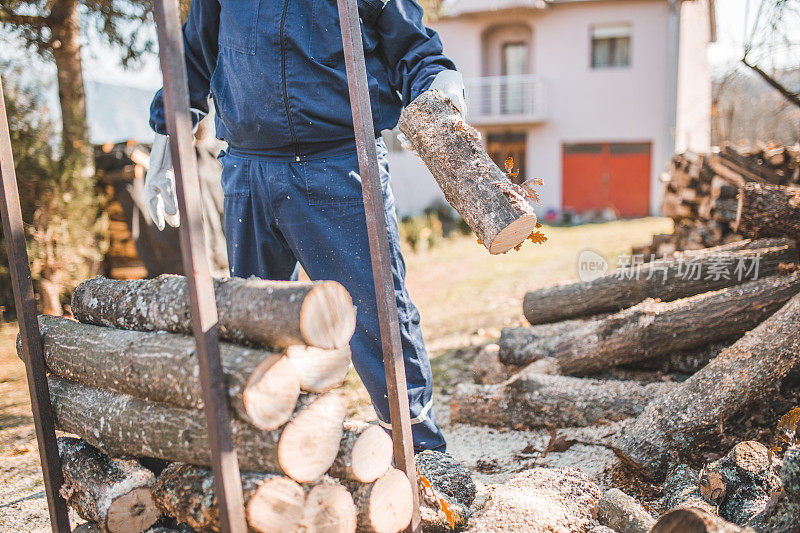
(451, 83)
(159, 185)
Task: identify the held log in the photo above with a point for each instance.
(385, 505)
(122, 425)
(319, 370)
(497, 210)
(615, 291)
(532, 400)
(653, 328)
(329, 508)
(162, 367)
(675, 421)
(187, 493)
(768, 211)
(113, 493)
(251, 311)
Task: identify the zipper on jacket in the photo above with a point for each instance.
(285, 94)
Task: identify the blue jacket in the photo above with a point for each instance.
(275, 69)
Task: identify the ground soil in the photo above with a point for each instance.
(459, 274)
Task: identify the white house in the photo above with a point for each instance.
(592, 96)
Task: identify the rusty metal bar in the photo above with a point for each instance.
(227, 478)
(25, 303)
(379, 246)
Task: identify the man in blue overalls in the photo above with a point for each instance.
(276, 72)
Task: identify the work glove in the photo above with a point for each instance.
(451, 83)
(159, 185)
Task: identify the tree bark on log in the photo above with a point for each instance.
(691, 520)
(741, 482)
(784, 515)
(319, 370)
(329, 508)
(251, 311)
(768, 211)
(498, 211)
(122, 425)
(188, 494)
(115, 494)
(365, 453)
(675, 421)
(385, 505)
(446, 492)
(263, 388)
(681, 489)
(652, 328)
(616, 291)
(487, 368)
(536, 400)
(623, 514)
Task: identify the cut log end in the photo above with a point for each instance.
(691, 520)
(319, 370)
(513, 235)
(372, 453)
(310, 442)
(271, 393)
(390, 504)
(277, 505)
(329, 509)
(136, 511)
(327, 317)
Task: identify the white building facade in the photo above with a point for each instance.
(592, 96)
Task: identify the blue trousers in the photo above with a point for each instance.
(280, 212)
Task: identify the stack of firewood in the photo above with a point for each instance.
(124, 378)
(701, 194)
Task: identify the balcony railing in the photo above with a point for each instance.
(505, 100)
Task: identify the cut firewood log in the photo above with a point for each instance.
(319, 370)
(498, 211)
(365, 453)
(665, 279)
(782, 514)
(115, 494)
(251, 311)
(385, 505)
(541, 500)
(487, 368)
(684, 362)
(122, 425)
(515, 342)
(532, 400)
(676, 420)
(741, 483)
(263, 388)
(624, 514)
(188, 494)
(329, 508)
(682, 489)
(653, 328)
(768, 211)
(691, 520)
(446, 492)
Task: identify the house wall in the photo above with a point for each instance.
(585, 104)
(693, 117)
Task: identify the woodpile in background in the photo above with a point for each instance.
(125, 380)
(702, 196)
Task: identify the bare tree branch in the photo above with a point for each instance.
(9, 17)
(789, 95)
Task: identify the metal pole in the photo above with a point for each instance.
(25, 303)
(379, 247)
(227, 478)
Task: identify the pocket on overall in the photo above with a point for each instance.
(333, 181)
(238, 22)
(235, 176)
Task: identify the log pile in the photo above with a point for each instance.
(701, 192)
(125, 380)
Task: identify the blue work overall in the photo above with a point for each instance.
(275, 70)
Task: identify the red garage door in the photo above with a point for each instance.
(597, 176)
